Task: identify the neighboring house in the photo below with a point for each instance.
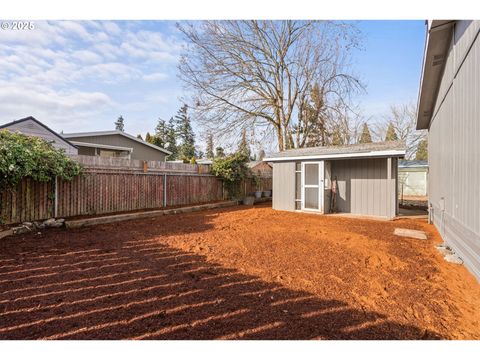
(261, 168)
(412, 177)
(449, 107)
(32, 127)
(116, 143)
(366, 175)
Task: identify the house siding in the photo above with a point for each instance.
(283, 186)
(366, 187)
(140, 151)
(31, 128)
(453, 147)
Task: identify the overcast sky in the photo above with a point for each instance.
(80, 76)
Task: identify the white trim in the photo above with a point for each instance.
(383, 153)
(115, 132)
(319, 186)
(101, 146)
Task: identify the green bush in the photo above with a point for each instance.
(28, 156)
(231, 169)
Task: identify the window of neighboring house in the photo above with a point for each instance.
(298, 186)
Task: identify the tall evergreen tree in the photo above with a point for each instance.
(148, 137)
(209, 150)
(160, 133)
(243, 146)
(422, 150)
(120, 124)
(337, 137)
(185, 133)
(391, 133)
(219, 152)
(171, 143)
(365, 138)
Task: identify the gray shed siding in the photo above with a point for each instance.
(31, 128)
(366, 187)
(283, 192)
(140, 151)
(454, 147)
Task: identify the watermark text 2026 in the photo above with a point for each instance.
(17, 25)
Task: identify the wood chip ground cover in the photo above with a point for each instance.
(237, 273)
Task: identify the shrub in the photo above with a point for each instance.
(231, 169)
(28, 156)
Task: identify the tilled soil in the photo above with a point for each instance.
(236, 273)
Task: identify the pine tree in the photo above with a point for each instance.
(185, 133)
(243, 146)
(171, 143)
(391, 133)
(422, 150)
(365, 138)
(219, 152)
(139, 136)
(209, 150)
(148, 138)
(337, 137)
(119, 124)
(160, 133)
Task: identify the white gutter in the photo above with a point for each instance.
(385, 153)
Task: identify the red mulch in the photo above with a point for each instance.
(237, 273)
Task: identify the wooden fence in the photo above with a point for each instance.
(111, 185)
(103, 189)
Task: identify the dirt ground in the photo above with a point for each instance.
(236, 273)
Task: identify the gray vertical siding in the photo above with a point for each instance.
(364, 187)
(283, 186)
(454, 147)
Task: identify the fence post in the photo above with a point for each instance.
(164, 190)
(55, 208)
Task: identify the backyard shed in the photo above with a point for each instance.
(363, 177)
(412, 177)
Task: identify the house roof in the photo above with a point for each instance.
(39, 123)
(413, 164)
(380, 149)
(437, 43)
(252, 164)
(115, 132)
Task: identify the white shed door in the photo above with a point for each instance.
(312, 185)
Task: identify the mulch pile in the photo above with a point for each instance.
(237, 273)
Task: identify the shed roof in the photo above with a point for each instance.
(413, 163)
(379, 149)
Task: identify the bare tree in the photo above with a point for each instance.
(402, 118)
(261, 74)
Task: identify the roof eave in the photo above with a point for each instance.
(437, 43)
(359, 155)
